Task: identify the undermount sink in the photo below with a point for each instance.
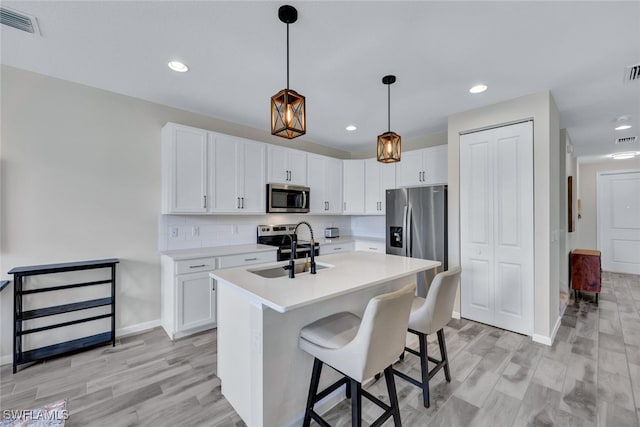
(274, 272)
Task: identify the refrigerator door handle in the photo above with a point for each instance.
(408, 233)
(404, 230)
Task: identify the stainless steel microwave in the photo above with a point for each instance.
(287, 198)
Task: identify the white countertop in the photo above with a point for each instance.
(349, 272)
(180, 254)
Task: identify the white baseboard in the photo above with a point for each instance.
(122, 332)
(543, 339)
(136, 329)
(455, 315)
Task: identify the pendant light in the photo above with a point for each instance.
(389, 143)
(288, 118)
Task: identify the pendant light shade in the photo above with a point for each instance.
(288, 116)
(389, 143)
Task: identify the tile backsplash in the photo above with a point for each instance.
(195, 231)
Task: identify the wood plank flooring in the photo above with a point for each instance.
(589, 377)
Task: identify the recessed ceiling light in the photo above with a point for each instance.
(178, 66)
(478, 88)
(351, 128)
(623, 127)
(622, 156)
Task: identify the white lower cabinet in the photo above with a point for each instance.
(196, 301)
(189, 298)
(188, 295)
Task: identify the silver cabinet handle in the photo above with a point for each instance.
(242, 199)
(198, 266)
(204, 201)
(251, 259)
(373, 249)
(337, 249)
(213, 286)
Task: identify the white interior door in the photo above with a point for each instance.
(618, 213)
(496, 210)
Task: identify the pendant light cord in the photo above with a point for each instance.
(389, 107)
(287, 56)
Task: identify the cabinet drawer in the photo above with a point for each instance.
(246, 259)
(335, 248)
(195, 265)
(371, 247)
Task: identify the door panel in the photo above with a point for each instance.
(496, 212)
(618, 214)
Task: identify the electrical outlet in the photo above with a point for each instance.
(174, 231)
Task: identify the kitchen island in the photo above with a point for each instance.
(265, 376)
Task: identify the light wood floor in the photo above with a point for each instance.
(591, 376)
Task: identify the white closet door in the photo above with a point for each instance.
(496, 210)
(618, 196)
(476, 226)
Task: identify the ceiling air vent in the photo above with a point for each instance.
(626, 140)
(18, 20)
(632, 73)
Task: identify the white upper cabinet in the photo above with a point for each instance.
(184, 169)
(207, 172)
(237, 177)
(286, 166)
(378, 177)
(324, 178)
(426, 166)
(353, 187)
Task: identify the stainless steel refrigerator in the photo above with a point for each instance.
(416, 226)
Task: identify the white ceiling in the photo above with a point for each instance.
(339, 53)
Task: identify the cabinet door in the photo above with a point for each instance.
(409, 170)
(184, 169)
(253, 192)
(334, 248)
(333, 185)
(353, 187)
(196, 301)
(277, 165)
(372, 200)
(297, 166)
(316, 179)
(387, 182)
(286, 166)
(226, 163)
(436, 168)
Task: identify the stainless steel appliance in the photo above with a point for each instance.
(284, 198)
(279, 235)
(331, 232)
(416, 226)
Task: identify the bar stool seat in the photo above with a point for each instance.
(358, 349)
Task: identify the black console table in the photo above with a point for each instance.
(21, 315)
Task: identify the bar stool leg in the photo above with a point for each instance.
(443, 355)
(356, 403)
(393, 397)
(313, 390)
(422, 339)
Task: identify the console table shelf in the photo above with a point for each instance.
(21, 315)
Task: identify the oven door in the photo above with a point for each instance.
(287, 198)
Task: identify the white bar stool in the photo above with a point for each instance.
(358, 349)
(429, 315)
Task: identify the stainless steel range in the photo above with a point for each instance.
(279, 235)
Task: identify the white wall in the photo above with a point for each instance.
(541, 108)
(81, 180)
(587, 225)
